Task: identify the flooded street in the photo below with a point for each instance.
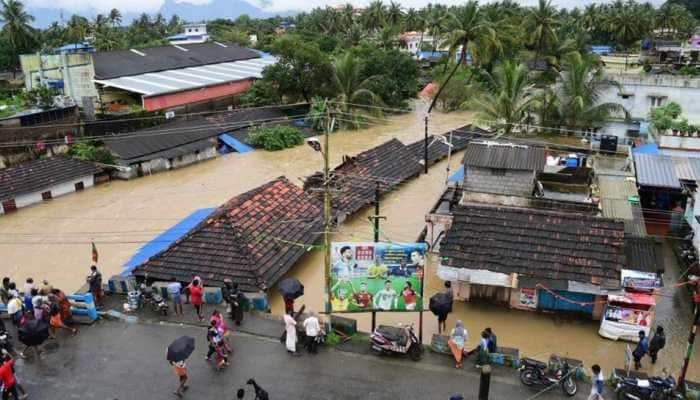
(52, 240)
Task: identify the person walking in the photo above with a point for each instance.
(597, 383)
(174, 290)
(7, 377)
(458, 337)
(94, 280)
(23, 394)
(212, 335)
(658, 342)
(180, 370)
(290, 326)
(442, 318)
(493, 340)
(196, 297)
(313, 329)
(641, 350)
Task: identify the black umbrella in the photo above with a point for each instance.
(290, 288)
(34, 332)
(180, 349)
(440, 304)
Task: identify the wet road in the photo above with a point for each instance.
(127, 361)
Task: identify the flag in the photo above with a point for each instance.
(95, 255)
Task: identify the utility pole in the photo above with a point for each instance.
(425, 158)
(375, 218)
(327, 211)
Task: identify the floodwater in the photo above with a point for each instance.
(52, 241)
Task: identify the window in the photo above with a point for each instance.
(189, 30)
(46, 195)
(657, 101)
(625, 95)
(196, 29)
(79, 186)
(9, 205)
(498, 172)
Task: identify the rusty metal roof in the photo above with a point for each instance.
(501, 155)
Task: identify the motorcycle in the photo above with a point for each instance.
(534, 373)
(150, 296)
(396, 340)
(655, 388)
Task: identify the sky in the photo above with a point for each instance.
(153, 6)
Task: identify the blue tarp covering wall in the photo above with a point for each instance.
(234, 143)
(458, 176)
(165, 239)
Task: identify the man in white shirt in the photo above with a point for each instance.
(313, 329)
(387, 298)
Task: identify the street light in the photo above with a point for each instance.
(315, 144)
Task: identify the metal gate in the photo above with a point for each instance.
(547, 301)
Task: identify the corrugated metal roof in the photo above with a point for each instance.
(684, 169)
(656, 170)
(613, 187)
(500, 155)
(617, 208)
(175, 80)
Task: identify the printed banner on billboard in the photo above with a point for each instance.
(377, 276)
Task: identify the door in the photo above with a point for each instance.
(79, 186)
(46, 195)
(9, 205)
(564, 300)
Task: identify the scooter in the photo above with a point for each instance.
(396, 340)
(150, 296)
(534, 373)
(655, 388)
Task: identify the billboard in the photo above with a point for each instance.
(377, 276)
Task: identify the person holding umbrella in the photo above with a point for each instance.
(178, 352)
(290, 289)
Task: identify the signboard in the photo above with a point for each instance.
(377, 276)
(528, 298)
(640, 280)
(630, 316)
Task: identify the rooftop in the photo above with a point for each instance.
(665, 171)
(33, 176)
(500, 155)
(354, 181)
(253, 238)
(643, 254)
(437, 149)
(120, 63)
(535, 243)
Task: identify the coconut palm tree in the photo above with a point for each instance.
(436, 23)
(374, 16)
(624, 24)
(542, 23)
(470, 31)
(507, 97)
(16, 28)
(352, 91)
(394, 15)
(115, 17)
(579, 92)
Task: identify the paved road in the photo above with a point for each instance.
(114, 360)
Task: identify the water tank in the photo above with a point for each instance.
(608, 144)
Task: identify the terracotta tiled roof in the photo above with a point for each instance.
(33, 176)
(354, 181)
(254, 237)
(535, 243)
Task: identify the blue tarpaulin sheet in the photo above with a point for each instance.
(235, 144)
(165, 239)
(458, 176)
(646, 149)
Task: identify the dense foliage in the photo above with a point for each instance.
(276, 137)
(89, 151)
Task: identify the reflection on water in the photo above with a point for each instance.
(51, 240)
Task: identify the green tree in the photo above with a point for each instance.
(16, 30)
(472, 32)
(115, 17)
(90, 151)
(579, 94)
(374, 16)
(78, 28)
(627, 26)
(506, 97)
(692, 5)
(353, 100)
(542, 23)
(396, 74)
(39, 97)
(394, 14)
(276, 137)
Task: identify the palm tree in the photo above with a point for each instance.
(16, 28)
(78, 28)
(351, 91)
(542, 23)
(394, 15)
(506, 98)
(581, 84)
(375, 16)
(470, 31)
(435, 23)
(624, 24)
(115, 17)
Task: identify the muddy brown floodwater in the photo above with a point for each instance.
(52, 240)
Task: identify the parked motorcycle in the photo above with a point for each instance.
(655, 388)
(535, 373)
(150, 297)
(396, 340)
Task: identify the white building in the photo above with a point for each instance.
(639, 94)
(42, 180)
(192, 33)
(411, 42)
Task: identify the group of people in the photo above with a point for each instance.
(34, 302)
(217, 335)
(488, 343)
(651, 348)
(313, 332)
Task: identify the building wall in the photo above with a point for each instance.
(60, 189)
(164, 164)
(80, 69)
(165, 101)
(437, 225)
(503, 182)
(488, 198)
(640, 90)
